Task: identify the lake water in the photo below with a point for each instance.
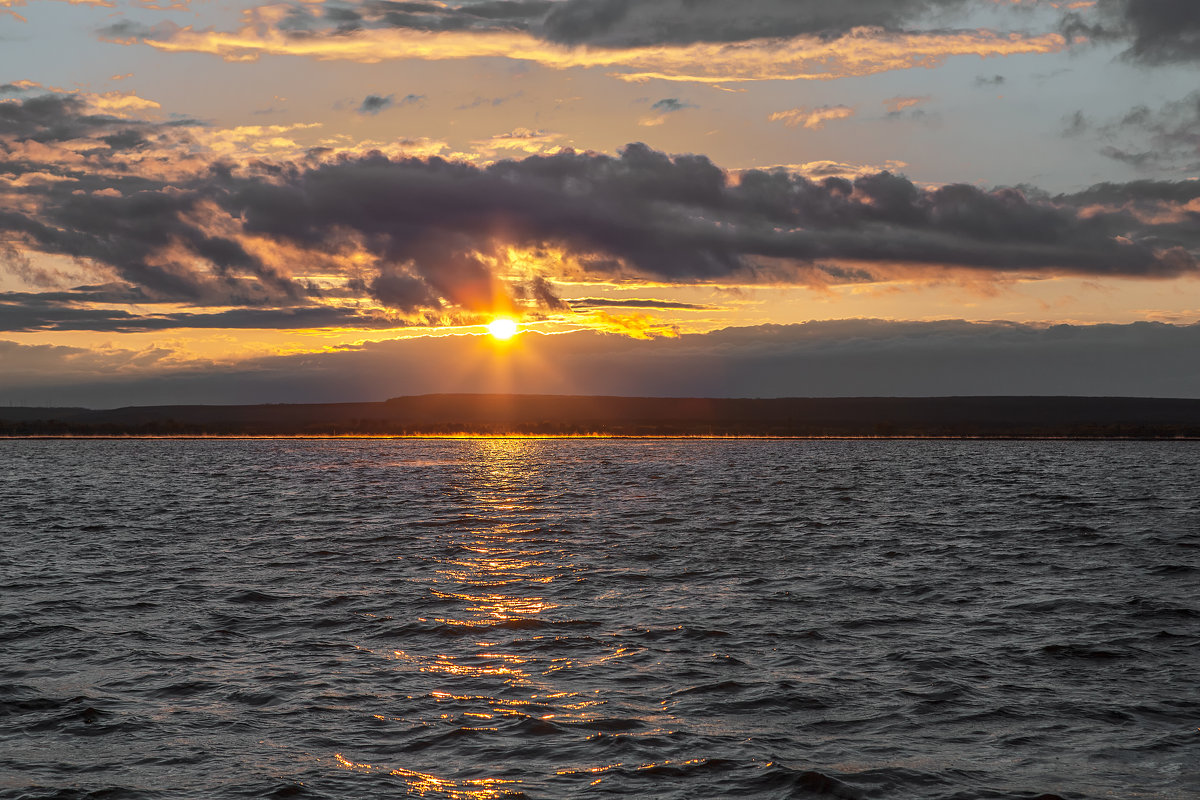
(544, 619)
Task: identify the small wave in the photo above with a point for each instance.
(1083, 651)
(1172, 569)
(609, 725)
(37, 792)
(252, 596)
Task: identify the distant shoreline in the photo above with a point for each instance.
(462, 416)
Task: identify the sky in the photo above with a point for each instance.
(328, 200)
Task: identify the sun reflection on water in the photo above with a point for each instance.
(422, 783)
(496, 584)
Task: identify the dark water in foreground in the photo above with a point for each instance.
(543, 619)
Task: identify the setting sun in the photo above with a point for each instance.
(502, 328)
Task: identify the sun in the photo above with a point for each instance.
(502, 328)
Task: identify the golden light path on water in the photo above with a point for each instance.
(503, 559)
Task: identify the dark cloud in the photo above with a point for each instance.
(681, 219)
(1156, 31)
(671, 104)
(613, 23)
(630, 23)
(343, 18)
(840, 358)
(152, 241)
(30, 312)
(52, 118)
(373, 104)
(634, 302)
(1174, 193)
(989, 80)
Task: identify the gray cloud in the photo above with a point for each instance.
(841, 358)
(46, 118)
(345, 18)
(625, 23)
(681, 219)
(671, 104)
(65, 311)
(1076, 124)
(635, 302)
(611, 23)
(373, 104)
(989, 80)
(1170, 135)
(1156, 31)
(490, 101)
(1151, 139)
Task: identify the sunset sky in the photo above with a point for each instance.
(329, 200)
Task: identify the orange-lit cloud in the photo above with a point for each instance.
(826, 168)
(520, 140)
(811, 118)
(634, 326)
(897, 104)
(121, 103)
(862, 51)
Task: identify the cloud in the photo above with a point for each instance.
(490, 101)
(636, 302)
(831, 169)
(426, 239)
(76, 311)
(811, 118)
(1156, 31)
(37, 365)
(619, 23)
(664, 107)
(895, 105)
(987, 81)
(837, 358)
(523, 140)
(670, 40)
(373, 104)
(669, 105)
(1160, 139)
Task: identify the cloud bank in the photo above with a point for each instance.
(370, 238)
(840, 358)
(683, 40)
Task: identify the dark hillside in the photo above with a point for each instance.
(636, 416)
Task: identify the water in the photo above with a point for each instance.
(543, 619)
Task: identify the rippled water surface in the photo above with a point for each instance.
(544, 619)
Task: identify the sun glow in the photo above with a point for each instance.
(502, 328)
